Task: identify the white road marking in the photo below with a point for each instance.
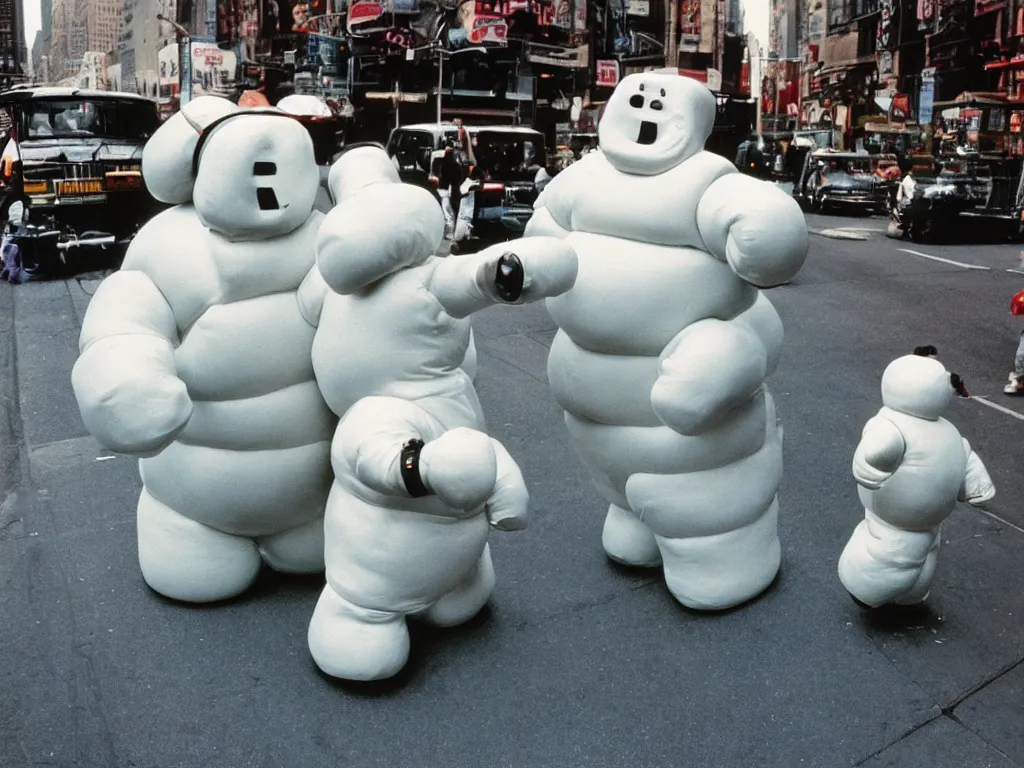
(944, 261)
(1016, 271)
(996, 517)
(1002, 409)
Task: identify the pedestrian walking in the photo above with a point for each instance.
(1016, 384)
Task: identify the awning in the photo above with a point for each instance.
(1014, 64)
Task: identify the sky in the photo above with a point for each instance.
(32, 24)
(755, 19)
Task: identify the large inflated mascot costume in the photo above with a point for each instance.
(911, 468)
(665, 342)
(195, 356)
(418, 484)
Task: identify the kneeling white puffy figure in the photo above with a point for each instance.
(195, 356)
(418, 483)
(664, 341)
(911, 468)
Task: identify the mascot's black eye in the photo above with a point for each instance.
(926, 351)
(662, 91)
(641, 86)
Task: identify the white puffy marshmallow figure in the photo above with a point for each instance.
(195, 356)
(418, 484)
(664, 341)
(911, 468)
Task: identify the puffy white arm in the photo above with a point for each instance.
(709, 368)
(509, 504)
(312, 291)
(978, 488)
(879, 453)
(125, 379)
(459, 467)
(521, 272)
(754, 226)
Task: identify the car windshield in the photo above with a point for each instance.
(855, 167)
(128, 120)
(508, 156)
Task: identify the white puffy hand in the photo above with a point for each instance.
(520, 272)
(508, 506)
(978, 486)
(460, 467)
(757, 228)
(130, 409)
(879, 453)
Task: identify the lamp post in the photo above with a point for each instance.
(184, 72)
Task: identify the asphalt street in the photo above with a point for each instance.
(576, 662)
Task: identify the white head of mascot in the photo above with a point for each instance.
(654, 121)
(250, 173)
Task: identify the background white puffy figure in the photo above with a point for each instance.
(911, 468)
(196, 357)
(664, 342)
(417, 482)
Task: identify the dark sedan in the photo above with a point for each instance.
(843, 181)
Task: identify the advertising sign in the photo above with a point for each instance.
(689, 25)
(926, 97)
(638, 7)
(607, 73)
(363, 12)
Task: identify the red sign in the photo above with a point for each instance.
(607, 73)
(488, 29)
(899, 109)
(362, 11)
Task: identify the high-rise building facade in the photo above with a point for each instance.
(141, 39)
(80, 26)
(12, 41)
(44, 38)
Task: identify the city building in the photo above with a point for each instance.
(79, 26)
(142, 37)
(43, 40)
(13, 53)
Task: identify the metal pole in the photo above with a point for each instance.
(671, 43)
(440, 80)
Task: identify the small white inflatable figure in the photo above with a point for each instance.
(196, 357)
(418, 483)
(911, 468)
(665, 342)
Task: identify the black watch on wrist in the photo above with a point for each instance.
(410, 466)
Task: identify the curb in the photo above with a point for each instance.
(842, 234)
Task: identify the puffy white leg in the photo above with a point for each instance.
(355, 643)
(189, 561)
(883, 564)
(297, 550)
(628, 541)
(918, 593)
(713, 573)
(465, 601)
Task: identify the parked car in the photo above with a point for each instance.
(964, 196)
(843, 181)
(506, 157)
(71, 173)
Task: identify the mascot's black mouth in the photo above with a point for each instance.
(648, 133)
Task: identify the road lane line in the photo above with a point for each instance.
(1016, 271)
(1002, 409)
(994, 516)
(944, 261)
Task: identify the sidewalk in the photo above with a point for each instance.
(576, 663)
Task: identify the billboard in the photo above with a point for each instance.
(689, 25)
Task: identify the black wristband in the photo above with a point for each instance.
(509, 278)
(410, 466)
